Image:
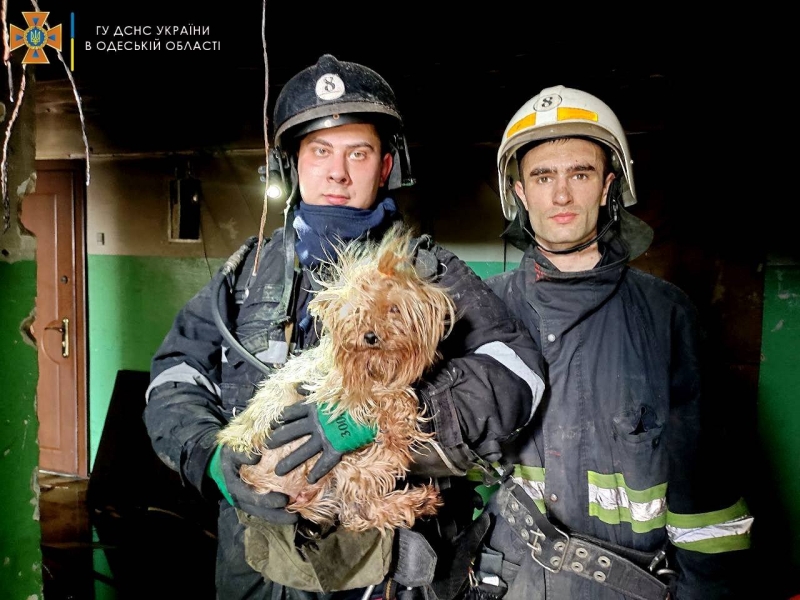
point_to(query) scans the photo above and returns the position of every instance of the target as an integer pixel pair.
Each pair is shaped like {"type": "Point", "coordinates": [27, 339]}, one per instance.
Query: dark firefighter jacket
{"type": "Point", "coordinates": [485, 390]}
{"type": "Point", "coordinates": [622, 446]}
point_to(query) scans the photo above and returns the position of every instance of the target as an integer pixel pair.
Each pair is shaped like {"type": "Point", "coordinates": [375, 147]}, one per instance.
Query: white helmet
{"type": "Point", "coordinates": [558, 112]}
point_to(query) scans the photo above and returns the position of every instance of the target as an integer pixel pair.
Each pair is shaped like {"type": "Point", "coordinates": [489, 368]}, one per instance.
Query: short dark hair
{"type": "Point", "coordinates": [605, 152]}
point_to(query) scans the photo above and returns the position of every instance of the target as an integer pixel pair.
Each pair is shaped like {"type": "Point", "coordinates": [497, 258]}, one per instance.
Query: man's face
{"type": "Point", "coordinates": [563, 188]}
{"type": "Point", "coordinates": [342, 166]}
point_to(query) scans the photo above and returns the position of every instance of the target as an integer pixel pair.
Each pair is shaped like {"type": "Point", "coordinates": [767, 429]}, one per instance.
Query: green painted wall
{"type": "Point", "coordinates": [779, 416]}
{"type": "Point", "coordinates": [132, 303]}
{"type": "Point", "coordinates": [488, 268]}
{"type": "Point", "coordinates": [20, 535]}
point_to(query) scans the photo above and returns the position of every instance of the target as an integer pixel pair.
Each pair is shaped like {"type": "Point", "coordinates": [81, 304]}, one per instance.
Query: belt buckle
{"type": "Point", "coordinates": [665, 572]}
{"type": "Point", "coordinates": [512, 510]}
{"type": "Point", "coordinates": [661, 555]}
{"type": "Point", "coordinates": [555, 561]}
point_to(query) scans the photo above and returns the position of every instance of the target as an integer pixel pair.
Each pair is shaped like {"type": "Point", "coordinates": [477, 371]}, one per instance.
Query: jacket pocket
{"type": "Point", "coordinates": [635, 491]}
{"type": "Point", "coordinates": [637, 451]}
{"type": "Point", "coordinates": [236, 397]}
{"type": "Point", "coordinates": [640, 425]}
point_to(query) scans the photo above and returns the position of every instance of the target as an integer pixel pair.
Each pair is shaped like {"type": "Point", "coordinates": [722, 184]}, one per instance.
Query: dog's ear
{"type": "Point", "coordinates": [321, 303]}
{"type": "Point", "coordinates": [394, 251]}
{"type": "Point", "coordinates": [387, 263]}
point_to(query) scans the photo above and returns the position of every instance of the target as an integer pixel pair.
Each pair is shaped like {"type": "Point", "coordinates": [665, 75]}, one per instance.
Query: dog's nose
{"type": "Point", "coordinates": [370, 338]}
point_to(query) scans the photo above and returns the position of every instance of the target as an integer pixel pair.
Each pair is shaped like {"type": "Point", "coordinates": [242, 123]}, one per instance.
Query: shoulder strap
{"type": "Point", "coordinates": [425, 262]}
{"type": "Point", "coordinates": [238, 282]}
{"type": "Point", "coordinates": [234, 261]}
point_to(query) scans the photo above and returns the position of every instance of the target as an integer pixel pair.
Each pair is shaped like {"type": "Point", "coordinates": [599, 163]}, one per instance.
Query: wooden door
{"type": "Point", "coordinates": [55, 215]}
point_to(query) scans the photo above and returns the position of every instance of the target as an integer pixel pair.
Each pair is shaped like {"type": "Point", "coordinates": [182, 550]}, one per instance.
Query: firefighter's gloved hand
{"type": "Point", "coordinates": [331, 438]}
{"type": "Point", "coordinates": [223, 468]}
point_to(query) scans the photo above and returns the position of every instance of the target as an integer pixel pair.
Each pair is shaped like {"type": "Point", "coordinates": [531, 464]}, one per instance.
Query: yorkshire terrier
{"type": "Point", "coordinates": [380, 327]}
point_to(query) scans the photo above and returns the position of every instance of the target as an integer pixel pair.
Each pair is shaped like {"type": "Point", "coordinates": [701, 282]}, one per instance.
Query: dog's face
{"type": "Point", "coordinates": [384, 321]}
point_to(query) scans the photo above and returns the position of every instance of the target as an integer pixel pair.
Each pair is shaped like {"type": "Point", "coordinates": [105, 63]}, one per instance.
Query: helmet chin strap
{"type": "Point", "coordinates": [613, 217]}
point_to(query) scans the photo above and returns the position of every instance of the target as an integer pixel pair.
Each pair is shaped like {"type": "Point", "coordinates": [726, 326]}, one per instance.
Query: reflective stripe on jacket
{"type": "Point", "coordinates": [617, 450]}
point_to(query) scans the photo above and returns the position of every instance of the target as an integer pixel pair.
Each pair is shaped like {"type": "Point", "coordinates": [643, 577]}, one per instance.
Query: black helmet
{"type": "Point", "coordinates": [332, 93]}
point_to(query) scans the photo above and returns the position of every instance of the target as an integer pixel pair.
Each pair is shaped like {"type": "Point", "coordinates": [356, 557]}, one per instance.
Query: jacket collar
{"type": "Point", "coordinates": [564, 298]}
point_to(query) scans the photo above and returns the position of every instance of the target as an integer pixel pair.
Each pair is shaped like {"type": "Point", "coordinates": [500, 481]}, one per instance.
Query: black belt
{"type": "Point", "coordinates": [604, 563]}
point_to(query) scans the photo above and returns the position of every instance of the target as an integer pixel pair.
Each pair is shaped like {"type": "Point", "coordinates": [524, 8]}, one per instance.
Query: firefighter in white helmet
{"type": "Point", "coordinates": [618, 489]}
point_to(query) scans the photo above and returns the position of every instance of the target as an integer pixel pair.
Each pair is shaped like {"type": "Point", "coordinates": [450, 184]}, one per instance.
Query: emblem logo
{"type": "Point", "coordinates": [35, 37]}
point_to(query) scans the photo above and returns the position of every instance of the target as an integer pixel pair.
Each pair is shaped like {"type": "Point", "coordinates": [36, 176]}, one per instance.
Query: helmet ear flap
{"type": "Point", "coordinates": [400, 175]}
{"type": "Point", "coordinates": [518, 232]}
{"type": "Point", "coordinates": [517, 200]}
{"type": "Point", "coordinates": [282, 180]}
{"type": "Point", "coordinates": [277, 174]}
{"type": "Point", "coordinates": [614, 198]}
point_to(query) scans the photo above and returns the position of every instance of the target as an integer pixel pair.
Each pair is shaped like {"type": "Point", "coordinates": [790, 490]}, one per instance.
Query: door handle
{"type": "Point", "coordinates": [64, 330]}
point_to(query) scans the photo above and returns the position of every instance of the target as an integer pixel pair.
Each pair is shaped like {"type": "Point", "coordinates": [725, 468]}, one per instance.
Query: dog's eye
{"type": "Point", "coordinates": [394, 309]}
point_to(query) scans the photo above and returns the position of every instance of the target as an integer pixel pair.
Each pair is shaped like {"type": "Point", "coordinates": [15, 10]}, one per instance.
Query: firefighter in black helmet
{"type": "Point", "coordinates": [340, 150]}
{"type": "Point", "coordinates": [333, 93]}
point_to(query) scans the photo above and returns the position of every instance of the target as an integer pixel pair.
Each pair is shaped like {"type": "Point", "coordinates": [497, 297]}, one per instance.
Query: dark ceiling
{"type": "Point", "coordinates": [459, 76]}
{"type": "Point", "coordinates": [459, 72]}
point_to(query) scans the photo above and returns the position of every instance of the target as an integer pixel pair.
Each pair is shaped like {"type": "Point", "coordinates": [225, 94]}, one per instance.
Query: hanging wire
{"type": "Point", "coordinates": [18, 102]}
{"type": "Point", "coordinates": [77, 99]}
{"type": "Point", "coordinates": [4, 163]}
{"type": "Point", "coordinates": [266, 133]}
{"type": "Point", "coordinates": [7, 49]}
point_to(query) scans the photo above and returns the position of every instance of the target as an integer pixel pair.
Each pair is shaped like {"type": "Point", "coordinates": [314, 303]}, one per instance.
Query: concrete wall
{"type": "Point", "coordinates": [137, 277]}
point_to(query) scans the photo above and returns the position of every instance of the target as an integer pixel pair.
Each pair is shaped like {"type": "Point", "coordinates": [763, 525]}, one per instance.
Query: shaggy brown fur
{"type": "Point", "coordinates": [381, 326]}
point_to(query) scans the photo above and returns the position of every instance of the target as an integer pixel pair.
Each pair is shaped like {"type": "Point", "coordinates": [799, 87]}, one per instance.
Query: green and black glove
{"type": "Point", "coordinates": [223, 468]}
{"type": "Point", "coordinates": [333, 438]}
